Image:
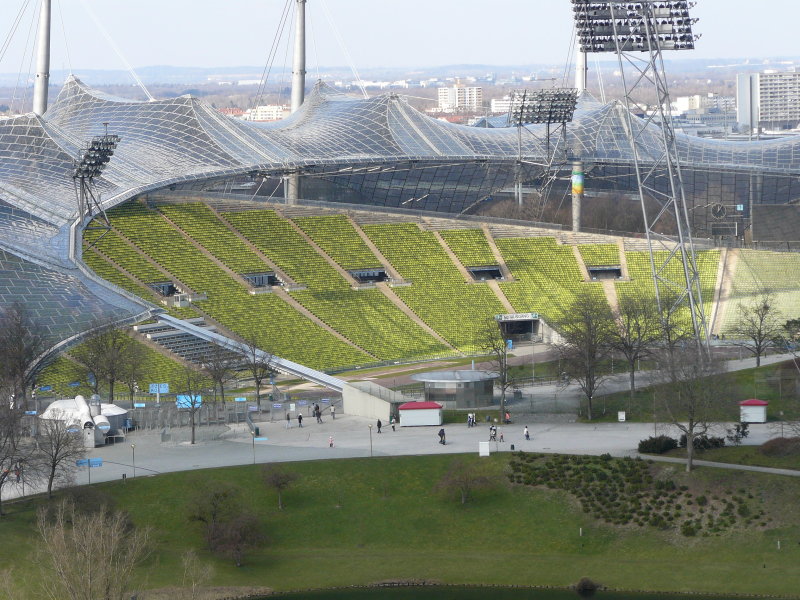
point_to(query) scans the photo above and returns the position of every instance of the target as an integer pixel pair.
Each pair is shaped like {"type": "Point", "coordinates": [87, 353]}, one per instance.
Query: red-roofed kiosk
{"type": "Point", "coordinates": [753, 411]}
{"type": "Point", "coordinates": [415, 414]}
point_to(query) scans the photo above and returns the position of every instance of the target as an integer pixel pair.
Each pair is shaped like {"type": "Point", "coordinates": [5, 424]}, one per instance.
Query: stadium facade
{"type": "Point", "coordinates": [376, 152]}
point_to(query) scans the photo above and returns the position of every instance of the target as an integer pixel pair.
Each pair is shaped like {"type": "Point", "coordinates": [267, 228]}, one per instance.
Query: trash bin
{"type": "Point", "coordinates": [256, 431]}
{"type": "Point", "coordinates": [512, 447]}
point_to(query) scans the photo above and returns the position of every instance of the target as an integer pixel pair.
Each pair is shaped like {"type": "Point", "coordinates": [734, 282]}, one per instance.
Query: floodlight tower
{"type": "Point", "coordinates": [90, 164]}
{"type": "Point", "coordinates": [292, 180]}
{"type": "Point", "coordinates": [549, 107]}
{"type": "Point", "coordinates": [638, 32]}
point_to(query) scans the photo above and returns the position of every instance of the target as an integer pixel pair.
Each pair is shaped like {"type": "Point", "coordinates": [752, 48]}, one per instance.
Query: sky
{"type": "Point", "coordinates": [376, 33]}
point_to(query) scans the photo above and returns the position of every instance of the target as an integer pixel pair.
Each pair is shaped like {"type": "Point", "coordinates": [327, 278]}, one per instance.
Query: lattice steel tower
{"type": "Point", "coordinates": [638, 32]}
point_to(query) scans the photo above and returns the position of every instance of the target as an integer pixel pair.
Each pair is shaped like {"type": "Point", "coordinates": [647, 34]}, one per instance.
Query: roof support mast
{"type": "Point", "coordinates": [292, 180]}
{"type": "Point", "coordinates": [42, 61]}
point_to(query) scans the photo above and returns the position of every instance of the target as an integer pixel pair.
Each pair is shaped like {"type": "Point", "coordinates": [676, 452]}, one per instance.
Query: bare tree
{"type": "Point", "coordinates": [236, 535]}
{"type": "Point", "coordinates": [491, 341]}
{"type": "Point", "coordinates": [22, 342]}
{"type": "Point", "coordinates": [195, 573]}
{"type": "Point", "coordinates": [278, 479]}
{"type": "Point", "coordinates": [59, 447]}
{"type": "Point", "coordinates": [17, 451]}
{"type": "Point", "coordinates": [88, 556]}
{"type": "Point", "coordinates": [586, 336]}
{"type": "Point", "coordinates": [462, 479]}
{"type": "Point", "coordinates": [692, 391]}
{"type": "Point", "coordinates": [192, 383]}
{"type": "Point", "coordinates": [258, 363]}
{"type": "Point", "coordinates": [106, 355]}
{"type": "Point", "coordinates": [213, 504]}
{"type": "Point", "coordinates": [636, 331]}
{"type": "Point", "coordinates": [758, 326]}
{"type": "Point", "coordinates": [133, 368]}
{"type": "Point", "coordinates": [218, 366]}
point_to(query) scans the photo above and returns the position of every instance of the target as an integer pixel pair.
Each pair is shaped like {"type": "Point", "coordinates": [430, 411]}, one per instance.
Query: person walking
{"type": "Point", "coordinates": [379, 425]}
{"type": "Point", "coordinates": [527, 433]}
{"type": "Point", "coordinates": [330, 441]}
{"type": "Point", "coordinates": [333, 412]}
{"type": "Point", "coordinates": [288, 420]}
{"type": "Point", "coordinates": [441, 436]}
{"type": "Point", "coordinates": [299, 419]}
{"type": "Point", "coordinates": [391, 422]}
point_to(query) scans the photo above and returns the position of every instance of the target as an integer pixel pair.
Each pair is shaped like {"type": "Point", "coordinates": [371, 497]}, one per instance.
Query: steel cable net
{"type": "Point", "coordinates": [182, 140]}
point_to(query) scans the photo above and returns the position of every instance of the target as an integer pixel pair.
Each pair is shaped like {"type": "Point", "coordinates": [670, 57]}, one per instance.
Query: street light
{"type": "Point", "coordinates": [133, 452]}
{"type": "Point", "coordinates": [370, 439]}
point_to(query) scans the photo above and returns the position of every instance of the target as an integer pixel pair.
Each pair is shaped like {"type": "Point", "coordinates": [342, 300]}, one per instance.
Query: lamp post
{"type": "Point", "coordinates": [133, 453]}
{"type": "Point", "coordinates": [370, 439]}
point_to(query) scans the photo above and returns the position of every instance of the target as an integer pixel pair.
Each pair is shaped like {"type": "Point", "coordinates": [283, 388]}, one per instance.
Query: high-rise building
{"type": "Point", "coordinates": [459, 97]}
{"type": "Point", "coordinates": [768, 100]}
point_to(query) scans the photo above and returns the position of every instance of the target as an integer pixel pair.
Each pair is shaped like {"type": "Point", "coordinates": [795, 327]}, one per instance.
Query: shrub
{"type": "Point", "coordinates": [704, 442]}
{"type": "Point", "coordinates": [701, 500]}
{"type": "Point", "coordinates": [781, 446]}
{"type": "Point", "coordinates": [586, 587]}
{"type": "Point", "coordinates": [657, 445]}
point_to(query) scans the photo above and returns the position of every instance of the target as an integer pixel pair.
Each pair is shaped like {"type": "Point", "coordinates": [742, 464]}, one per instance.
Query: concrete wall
{"type": "Point", "coordinates": [360, 399]}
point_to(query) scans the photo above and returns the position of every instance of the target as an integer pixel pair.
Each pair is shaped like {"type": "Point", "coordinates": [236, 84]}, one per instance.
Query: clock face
{"type": "Point", "coordinates": [718, 211]}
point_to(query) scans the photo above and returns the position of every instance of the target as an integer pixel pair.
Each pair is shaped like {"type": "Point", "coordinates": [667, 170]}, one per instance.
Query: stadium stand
{"type": "Point", "coordinates": [599, 255]}
{"type": "Point", "coordinates": [336, 236]}
{"type": "Point", "coordinates": [229, 303]}
{"type": "Point", "coordinates": [758, 272]}
{"type": "Point", "coordinates": [470, 246]}
{"type": "Point", "coordinates": [438, 294]}
{"type": "Point", "coordinates": [548, 278]}
{"type": "Point", "coordinates": [365, 317]}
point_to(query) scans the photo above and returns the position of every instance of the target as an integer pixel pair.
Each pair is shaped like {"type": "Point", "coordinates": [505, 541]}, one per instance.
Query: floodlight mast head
{"type": "Point", "coordinates": [619, 26]}
{"type": "Point", "coordinates": [550, 106]}
{"type": "Point", "coordinates": [95, 156]}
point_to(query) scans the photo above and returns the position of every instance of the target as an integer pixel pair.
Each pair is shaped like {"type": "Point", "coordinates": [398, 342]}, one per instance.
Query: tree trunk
{"type": "Point", "coordinates": [258, 394]}
{"type": "Point", "coordinates": [192, 420]}
{"type": "Point", "coordinates": [111, 390]}
{"type": "Point", "coordinates": [463, 497]}
{"type": "Point", "coordinates": [280, 502]}
{"type": "Point", "coordinates": [758, 359]}
{"type": "Point", "coordinates": [689, 450]}
{"type": "Point", "coordinates": [50, 480]}
{"type": "Point", "coordinates": [589, 407]}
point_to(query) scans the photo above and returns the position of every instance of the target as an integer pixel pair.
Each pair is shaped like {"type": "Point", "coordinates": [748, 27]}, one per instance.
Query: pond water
{"type": "Point", "coordinates": [477, 593]}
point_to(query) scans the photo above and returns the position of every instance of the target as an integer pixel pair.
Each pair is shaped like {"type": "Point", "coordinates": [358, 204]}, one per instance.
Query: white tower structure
{"type": "Point", "coordinates": [292, 180]}
{"type": "Point", "coordinates": [42, 80]}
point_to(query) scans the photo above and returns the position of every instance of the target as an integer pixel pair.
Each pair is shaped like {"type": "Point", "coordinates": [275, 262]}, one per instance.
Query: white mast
{"type": "Point", "coordinates": [42, 80]}
{"type": "Point", "coordinates": [299, 62]}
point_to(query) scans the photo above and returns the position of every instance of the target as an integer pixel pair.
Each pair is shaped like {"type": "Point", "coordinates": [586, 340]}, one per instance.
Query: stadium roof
{"type": "Point", "coordinates": [182, 140]}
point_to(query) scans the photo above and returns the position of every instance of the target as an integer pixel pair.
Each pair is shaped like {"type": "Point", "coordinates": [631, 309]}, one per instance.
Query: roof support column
{"type": "Point", "coordinates": [42, 80]}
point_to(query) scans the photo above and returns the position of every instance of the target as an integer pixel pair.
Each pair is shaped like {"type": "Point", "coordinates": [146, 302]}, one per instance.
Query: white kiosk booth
{"type": "Point", "coordinates": [414, 414]}
{"type": "Point", "coordinates": [753, 411]}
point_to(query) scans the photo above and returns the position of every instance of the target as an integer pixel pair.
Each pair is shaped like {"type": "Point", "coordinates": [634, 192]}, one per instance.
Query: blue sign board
{"type": "Point", "coordinates": [95, 462]}
{"type": "Point", "coordinates": [159, 388]}
{"type": "Point", "coordinates": [326, 400]}
{"type": "Point", "coordinates": [91, 379]}
{"type": "Point", "coordinates": [240, 399]}
{"type": "Point", "coordinates": [138, 405]}
{"type": "Point", "coordinates": [83, 462]}
{"type": "Point", "coordinates": [185, 401]}
{"type": "Point", "coordinates": [31, 413]}
{"type": "Point", "coordinates": [74, 383]}
{"type": "Point", "coordinates": [302, 403]}
{"type": "Point", "coordinates": [45, 388]}
{"type": "Point", "coordinates": [740, 207]}
{"type": "Point", "coordinates": [252, 409]}
{"type": "Point", "coordinates": [510, 344]}
{"type": "Point", "coordinates": [259, 439]}
{"type": "Point", "coordinates": [277, 406]}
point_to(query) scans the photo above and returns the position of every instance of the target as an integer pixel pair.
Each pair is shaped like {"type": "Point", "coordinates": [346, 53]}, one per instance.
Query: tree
{"type": "Point", "coordinates": [218, 366]}
{"type": "Point", "coordinates": [278, 479]}
{"type": "Point", "coordinates": [636, 331]}
{"type": "Point", "coordinates": [133, 368]}
{"type": "Point", "coordinates": [462, 479]}
{"type": "Point", "coordinates": [192, 383]}
{"type": "Point", "coordinates": [759, 325]}
{"type": "Point", "coordinates": [586, 335]}
{"type": "Point", "coordinates": [230, 529]}
{"type": "Point", "coordinates": [22, 342]}
{"type": "Point", "coordinates": [89, 556]}
{"type": "Point", "coordinates": [195, 573]}
{"type": "Point", "coordinates": [693, 392]}
{"type": "Point", "coordinates": [258, 362]}
{"type": "Point", "coordinates": [17, 451]}
{"type": "Point", "coordinates": [106, 355]}
{"type": "Point", "coordinates": [492, 342]}
{"type": "Point", "coordinates": [59, 447]}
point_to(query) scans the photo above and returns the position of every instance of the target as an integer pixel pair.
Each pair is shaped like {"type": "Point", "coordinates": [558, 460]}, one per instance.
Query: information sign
{"type": "Point", "coordinates": [259, 439]}
{"type": "Point", "coordinates": [240, 399]}
{"type": "Point", "coordinates": [186, 401]}
{"type": "Point", "coordinates": [159, 388]}
{"type": "Point", "coordinates": [45, 388]}
{"type": "Point", "coordinates": [277, 406]}
{"type": "Point", "coordinates": [31, 413]}
{"type": "Point", "coordinates": [95, 462]}
{"type": "Point", "coordinates": [138, 405]}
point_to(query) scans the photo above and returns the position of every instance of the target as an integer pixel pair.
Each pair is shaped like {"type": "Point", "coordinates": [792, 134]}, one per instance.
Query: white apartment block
{"type": "Point", "coordinates": [685, 104]}
{"type": "Point", "coordinates": [459, 97]}
{"type": "Point", "coordinates": [267, 112]}
{"type": "Point", "coordinates": [500, 105]}
{"type": "Point", "coordinates": [768, 100]}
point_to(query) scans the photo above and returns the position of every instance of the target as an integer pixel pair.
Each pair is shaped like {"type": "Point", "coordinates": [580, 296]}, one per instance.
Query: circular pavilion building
{"type": "Point", "coordinates": [458, 389]}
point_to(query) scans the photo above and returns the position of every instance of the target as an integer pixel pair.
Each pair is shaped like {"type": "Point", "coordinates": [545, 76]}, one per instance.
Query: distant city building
{"type": "Point", "coordinates": [237, 113]}
{"type": "Point", "coordinates": [500, 105]}
{"type": "Point", "coordinates": [267, 112]}
{"type": "Point", "coordinates": [685, 104]}
{"type": "Point", "coordinates": [460, 98]}
{"type": "Point", "coordinates": [768, 100]}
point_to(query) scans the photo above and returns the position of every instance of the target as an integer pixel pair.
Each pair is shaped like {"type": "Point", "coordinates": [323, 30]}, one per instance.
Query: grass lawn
{"type": "Point", "coordinates": [779, 384]}
{"type": "Point", "coordinates": [361, 521]}
{"type": "Point", "coordinates": [741, 455]}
